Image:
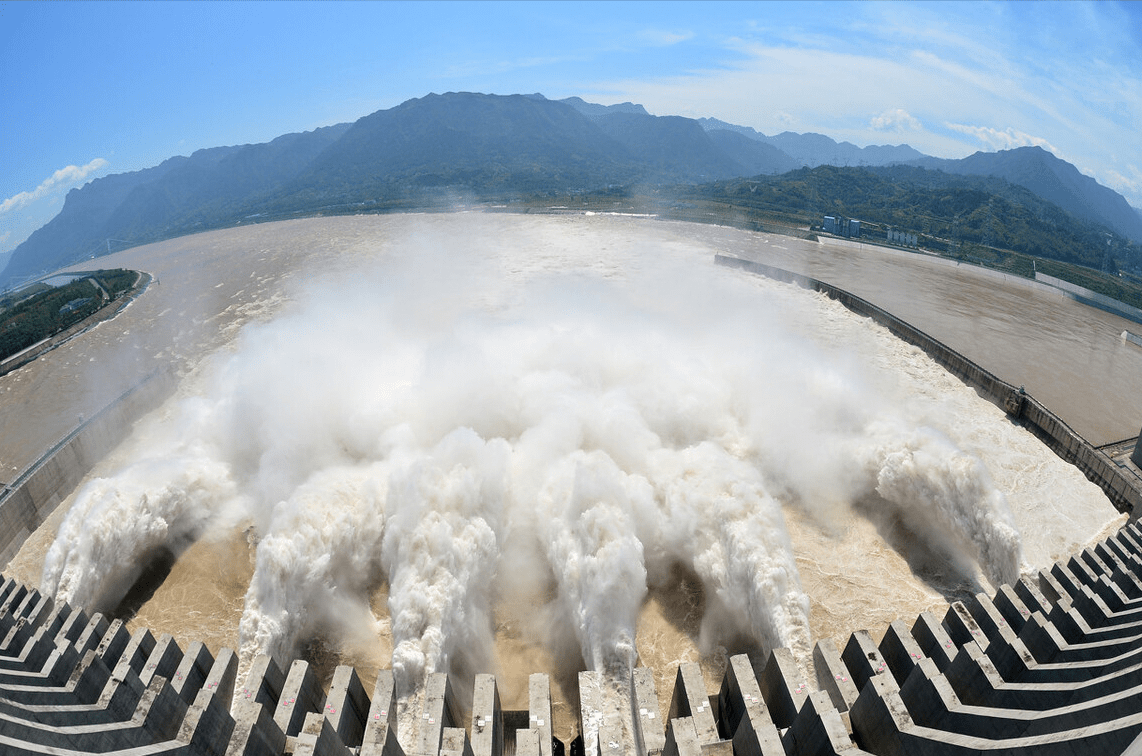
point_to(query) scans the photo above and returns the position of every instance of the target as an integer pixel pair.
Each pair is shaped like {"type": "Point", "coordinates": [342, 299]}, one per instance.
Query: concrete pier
{"type": "Point", "coordinates": [539, 713]}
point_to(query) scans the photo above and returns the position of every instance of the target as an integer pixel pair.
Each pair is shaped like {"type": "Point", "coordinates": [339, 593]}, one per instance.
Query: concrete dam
{"type": "Point", "coordinates": [1045, 662]}
{"type": "Point", "coordinates": [1050, 665]}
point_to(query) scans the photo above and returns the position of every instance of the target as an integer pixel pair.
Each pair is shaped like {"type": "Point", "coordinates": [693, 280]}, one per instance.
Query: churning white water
{"type": "Point", "coordinates": [563, 411]}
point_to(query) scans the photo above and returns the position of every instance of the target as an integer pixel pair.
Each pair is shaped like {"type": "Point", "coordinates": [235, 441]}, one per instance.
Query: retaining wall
{"type": "Point", "coordinates": [37, 491]}
{"type": "Point", "coordinates": [1122, 491]}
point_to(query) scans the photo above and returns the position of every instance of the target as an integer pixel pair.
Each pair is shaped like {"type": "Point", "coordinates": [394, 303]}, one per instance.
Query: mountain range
{"type": "Point", "coordinates": [1053, 179]}
{"type": "Point", "coordinates": [487, 147]}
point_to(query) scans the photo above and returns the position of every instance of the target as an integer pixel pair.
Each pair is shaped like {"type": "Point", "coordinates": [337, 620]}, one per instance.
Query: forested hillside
{"type": "Point", "coordinates": [946, 209]}
{"type": "Point", "coordinates": [49, 310]}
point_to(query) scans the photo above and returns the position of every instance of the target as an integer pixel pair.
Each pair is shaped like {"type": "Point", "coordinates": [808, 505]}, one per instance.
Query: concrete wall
{"type": "Point", "coordinates": [1092, 298]}
{"type": "Point", "coordinates": [38, 490]}
{"type": "Point", "coordinates": [1098, 468]}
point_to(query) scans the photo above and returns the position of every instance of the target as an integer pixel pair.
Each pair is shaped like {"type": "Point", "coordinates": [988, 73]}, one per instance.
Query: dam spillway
{"type": "Point", "coordinates": [1049, 665]}
{"type": "Point", "coordinates": [668, 685]}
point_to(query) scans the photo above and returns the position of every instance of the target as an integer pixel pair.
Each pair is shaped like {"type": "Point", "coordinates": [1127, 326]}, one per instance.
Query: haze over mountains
{"type": "Point", "coordinates": [477, 146]}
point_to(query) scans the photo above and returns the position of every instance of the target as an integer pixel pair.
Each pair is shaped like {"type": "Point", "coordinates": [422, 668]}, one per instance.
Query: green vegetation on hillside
{"type": "Point", "coordinates": [54, 309]}
{"type": "Point", "coordinates": [953, 214]}
{"type": "Point", "coordinates": [11, 298]}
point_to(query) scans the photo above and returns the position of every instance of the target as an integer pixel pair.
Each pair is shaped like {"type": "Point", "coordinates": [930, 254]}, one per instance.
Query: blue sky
{"type": "Point", "coordinates": [93, 88]}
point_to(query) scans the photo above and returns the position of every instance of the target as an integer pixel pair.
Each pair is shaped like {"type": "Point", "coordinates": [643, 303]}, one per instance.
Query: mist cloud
{"type": "Point", "coordinates": [530, 412]}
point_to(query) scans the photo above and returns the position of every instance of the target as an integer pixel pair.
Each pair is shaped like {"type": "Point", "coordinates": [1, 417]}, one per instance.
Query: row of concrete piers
{"type": "Point", "coordinates": [1049, 665]}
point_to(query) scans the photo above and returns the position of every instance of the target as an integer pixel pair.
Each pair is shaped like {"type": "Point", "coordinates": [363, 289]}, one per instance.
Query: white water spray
{"type": "Point", "coordinates": [117, 525]}
{"type": "Point", "coordinates": [948, 495]}
{"type": "Point", "coordinates": [316, 561]}
{"type": "Point", "coordinates": [440, 553]}
{"type": "Point", "coordinates": [719, 520]}
{"type": "Point", "coordinates": [588, 531]}
{"type": "Point", "coordinates": [466, 408]}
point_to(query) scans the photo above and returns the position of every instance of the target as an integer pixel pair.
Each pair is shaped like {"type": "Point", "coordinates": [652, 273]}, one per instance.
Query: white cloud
{"type": "Point", "coordinates": [1006, 139]}
{"type": "Point", "coordinates": [662, 38]}
{"type": "Point", "coordinates": [64, 177]}
{"type": "Point", "coordinates": [999, 75]}
{"type": "Point", "coordinates": [1130, 186]}
{"type": "Point", "coordinates": [895, 119]}
{"type": "Point", "coordinates": [772, 88]}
